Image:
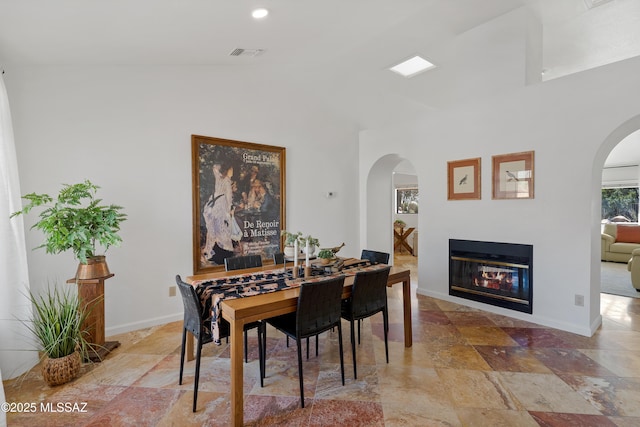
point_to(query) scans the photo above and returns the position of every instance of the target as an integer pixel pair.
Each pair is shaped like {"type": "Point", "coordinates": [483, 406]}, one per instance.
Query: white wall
{"type": "Point", "coordinates": [128, 129]}
{"type": "Point", "coordinates": [565, 121]}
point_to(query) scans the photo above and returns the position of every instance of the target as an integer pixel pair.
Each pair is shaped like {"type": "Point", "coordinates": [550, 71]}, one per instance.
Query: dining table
{"type": "Point", "coordinates": [240, 311]}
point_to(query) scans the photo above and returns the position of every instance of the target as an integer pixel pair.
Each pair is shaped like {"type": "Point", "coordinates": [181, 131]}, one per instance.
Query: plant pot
{"type": "Point", "coordinates": [95, 268]}
{"type": "Point", "coordinates": [289, 251]}
{"type": "Point", "coordinates": [312, 250]}
{"type": "Point", "coordinates": [61, 370]}
{"type": "Point", "coordinates": [325, 261]}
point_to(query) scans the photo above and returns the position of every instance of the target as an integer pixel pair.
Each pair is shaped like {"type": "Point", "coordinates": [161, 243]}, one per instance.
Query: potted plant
{"type": "Point", "coordinates": [313, 244]}
{"type": "Point", "coordinates": [58, 325]}
{"type": "Point", "coordinates": [398, 223]}
{"type": "Point", "coordinates": [289, 242]}
{"type": "Point", "coordinates": [326, 255]}
{"type": "Point", "coordinates": [77, 221]}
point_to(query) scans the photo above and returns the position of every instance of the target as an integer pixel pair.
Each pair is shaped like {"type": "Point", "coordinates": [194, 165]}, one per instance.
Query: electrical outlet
{"type": "Point", "coordinates": [579, 300]}
{"type": "Point", "coordinates": [172, 291]}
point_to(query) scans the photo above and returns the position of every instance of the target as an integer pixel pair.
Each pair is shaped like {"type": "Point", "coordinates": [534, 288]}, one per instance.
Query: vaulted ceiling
{"type": "Point", "coordinates": [337, 51]}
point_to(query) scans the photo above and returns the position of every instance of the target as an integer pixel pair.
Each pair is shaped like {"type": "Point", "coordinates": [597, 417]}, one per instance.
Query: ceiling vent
{"type": "Point", "coordinates": [246, 52]}
{"type": "Point", "coordinates": [595, 3]}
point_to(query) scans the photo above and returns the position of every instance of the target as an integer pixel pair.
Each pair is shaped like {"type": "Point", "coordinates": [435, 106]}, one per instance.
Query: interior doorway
{"type": "Point", "coordinates": [385, 176]}
{"type": "Point", "coordinates": [616, 165]}
{"type": "Point", "coordinates": [406, 208]}
{"type": "Point", "coordinates": [619, 205]}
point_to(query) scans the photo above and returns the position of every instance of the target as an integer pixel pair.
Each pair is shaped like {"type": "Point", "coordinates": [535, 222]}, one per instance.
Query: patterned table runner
{"type": "Point", "coordinates": [212, 292]}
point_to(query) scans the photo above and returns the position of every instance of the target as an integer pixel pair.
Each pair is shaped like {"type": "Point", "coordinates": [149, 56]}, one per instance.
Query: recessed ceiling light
{"type": "Point", "coordinates": [260, 13]}
{"type": "Point", "coordinates": [412, 66]}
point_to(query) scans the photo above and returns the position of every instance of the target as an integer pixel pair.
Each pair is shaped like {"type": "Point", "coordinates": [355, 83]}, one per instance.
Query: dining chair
{"type": "Point", "coordinates": [368, 297]}
{"type": "Point", "coordinates": [375, 257]}
{"type": "Point", "coordinates": [318, 311]}
{"type": "Point", "coordinates": [239, 263]}
{"type": "Point", "coordinates": [244, 261]}
{"type": "Point", "coordinates": [195, 323]}
{"type": "Point", "coordinates": [278, 258]}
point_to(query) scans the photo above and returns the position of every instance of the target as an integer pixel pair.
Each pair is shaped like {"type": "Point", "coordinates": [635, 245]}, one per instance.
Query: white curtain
{"type": "Point", "coordinates": [14, 276]}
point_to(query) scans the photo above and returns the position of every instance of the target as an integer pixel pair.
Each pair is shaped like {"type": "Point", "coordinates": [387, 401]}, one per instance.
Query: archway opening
{"type": "Point", "coordinates": [392, 193]}
{"type": "Point", "coordinates": [616, 165]}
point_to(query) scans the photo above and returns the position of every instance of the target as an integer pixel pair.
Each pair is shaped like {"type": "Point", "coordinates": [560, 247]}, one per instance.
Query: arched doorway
{"type": "Point", "coordinates": [631, 126]}
{"type": "Point", "coordinates": [381, 201]}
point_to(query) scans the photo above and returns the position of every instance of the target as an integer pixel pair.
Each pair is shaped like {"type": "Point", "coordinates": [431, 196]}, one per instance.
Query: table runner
{"type": "Point", "coordinates": [211, 292]}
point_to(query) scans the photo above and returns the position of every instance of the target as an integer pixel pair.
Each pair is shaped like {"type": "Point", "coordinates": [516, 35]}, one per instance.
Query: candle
{"type": "Point", "coordinates": [295, 254]}
{"type": "Point", "coordinates": [307, 250]}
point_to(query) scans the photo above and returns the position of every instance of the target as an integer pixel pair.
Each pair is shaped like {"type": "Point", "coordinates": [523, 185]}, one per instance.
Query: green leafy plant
{"type": "Point", "coordinates": [290, 238]}
{"type": "Point", "coordinates": [75, 220]}
{"type": "Point", "coordinates": [312, 241]}
{"type": "Point", "coordinates": [326, 254]}
{"type": "Point", "coordinates": [57, 322]}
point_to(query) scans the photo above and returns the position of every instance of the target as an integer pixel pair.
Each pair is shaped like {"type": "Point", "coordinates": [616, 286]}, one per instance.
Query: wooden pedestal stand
{"type": "Point", "coordinates": [91, 296]}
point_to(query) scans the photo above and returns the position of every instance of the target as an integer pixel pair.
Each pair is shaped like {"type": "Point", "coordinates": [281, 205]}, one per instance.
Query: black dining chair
{"type": "Point", "coordinates": [195, 323]}
{"type": "Point", "coordinates": [318, 311]}
{"type": "Point", "coordinates": [368, 297]}
{"type": "Point", "coordinates": [241, 262]}
{"type": "Point", "coordinates": [375, 257]}
{"type": "Point", "coordinates": [278, 258]}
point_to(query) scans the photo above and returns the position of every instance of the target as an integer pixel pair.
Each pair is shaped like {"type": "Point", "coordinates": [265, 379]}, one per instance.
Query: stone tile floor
{"type": "Point", "coordinates": [466, 368]}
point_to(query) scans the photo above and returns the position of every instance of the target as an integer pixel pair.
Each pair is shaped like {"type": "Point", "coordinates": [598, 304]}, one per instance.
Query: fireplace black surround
{"type": "Point", "coordinates": [499, 274]}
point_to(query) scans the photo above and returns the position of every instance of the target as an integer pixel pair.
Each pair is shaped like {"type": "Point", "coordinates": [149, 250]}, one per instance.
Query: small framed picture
{"type": "Point", "coordinates": [464, 179]}
{"type": "Point", "coordinates": [513, 175]}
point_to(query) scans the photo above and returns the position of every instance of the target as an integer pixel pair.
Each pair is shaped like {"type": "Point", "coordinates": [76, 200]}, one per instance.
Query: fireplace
{"type": "Point", "coordinates": [499, 274]}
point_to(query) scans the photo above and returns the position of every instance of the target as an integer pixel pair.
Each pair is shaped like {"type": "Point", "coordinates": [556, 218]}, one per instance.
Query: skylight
{"type": "Point", "coordinates": [412, 66]}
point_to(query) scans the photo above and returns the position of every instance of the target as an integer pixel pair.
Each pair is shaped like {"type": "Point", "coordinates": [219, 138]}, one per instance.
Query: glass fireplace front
{"type": "Point", "coordinates": [494, 273]}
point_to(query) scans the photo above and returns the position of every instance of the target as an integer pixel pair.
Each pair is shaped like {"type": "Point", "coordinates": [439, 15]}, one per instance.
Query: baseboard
{"type": "Point", "coordinates": [543, 321]}
{"type": "Point", "coordinates": [134, 326]}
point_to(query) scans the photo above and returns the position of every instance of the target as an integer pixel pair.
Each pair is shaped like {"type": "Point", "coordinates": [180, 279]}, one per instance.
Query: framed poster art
{"type": "Point", "coordinates": [238, 200]}
{"type": "Point", "coordinates": [513, 175]}
{"type": "Point", "coordinates": [407, 200]}
{"type": "Point", "coordinates": [463, 179]}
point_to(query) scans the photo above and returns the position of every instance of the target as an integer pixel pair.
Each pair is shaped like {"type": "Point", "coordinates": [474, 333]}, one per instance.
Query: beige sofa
{"type": "Point", "coordinates": [634, 267]}
{"type": "Point", "coordinates": [619, 240]}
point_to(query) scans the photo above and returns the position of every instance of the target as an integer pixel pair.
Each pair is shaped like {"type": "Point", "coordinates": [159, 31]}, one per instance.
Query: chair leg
{"type": "Point", "coordinates": [184, 340]}
{"type": "Point", "coordinates": [316, 346]}
{"type": "Point", "coordinates": [261, 356]}
{"type": "Point", "coordinates": [300, 372]}
{"type": "Point", "coordinates": [307, 348]}
{"type": "Point", "coordinates": [353, 349]}
{"type": "Point", "coordinates": [246, 358]}
{"type": "Point", "coordinates": [341, 351]}
{"type": "Point", "coordinates": [197, 375]}
{"type": "Point", "coordinates": [264, 351]}
{"type": "Point", "coordinates": [359, 321]}
{"type": "Point", "coordinates": [385, 317]}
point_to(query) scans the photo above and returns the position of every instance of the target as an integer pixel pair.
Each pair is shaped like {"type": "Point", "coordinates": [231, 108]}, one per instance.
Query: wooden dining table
{"type": "Point", "coordinates": [239, 311]}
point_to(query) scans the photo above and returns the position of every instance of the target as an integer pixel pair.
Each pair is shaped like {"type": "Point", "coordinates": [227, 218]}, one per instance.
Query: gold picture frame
{"type": "Point", "coordinates": [513, 175]}
{"type": "Point", "coordinates": [238, 200]}
{"type": "Point", "coordinates": [464, 179]}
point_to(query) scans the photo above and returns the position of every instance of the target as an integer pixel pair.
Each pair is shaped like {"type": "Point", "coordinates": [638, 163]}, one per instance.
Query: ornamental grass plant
{"type": "Point", "coordinates": [58, 322]}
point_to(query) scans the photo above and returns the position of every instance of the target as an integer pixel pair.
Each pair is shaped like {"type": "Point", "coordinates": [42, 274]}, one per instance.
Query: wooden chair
{"type": "Point", "coordinates": [195, 323]}
{"type": "Point", "coordinates": [318, 311]}
{"type": "Point", "coordinates": [368, 297]}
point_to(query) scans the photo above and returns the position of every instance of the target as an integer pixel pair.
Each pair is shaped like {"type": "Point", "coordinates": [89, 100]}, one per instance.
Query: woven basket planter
{"type": "Point", "coordinates": [61, 370]}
